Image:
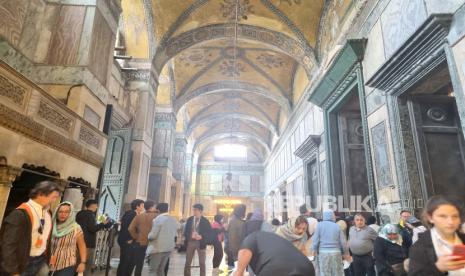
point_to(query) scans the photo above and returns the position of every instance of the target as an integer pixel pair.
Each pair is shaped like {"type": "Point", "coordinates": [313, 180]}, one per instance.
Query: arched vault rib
{"type": "Point", "coordinates": [302, 53]}
{"type": "Point", "coordinates": [234, 134]}
{"type": "Point", "coordinates": [231, 86]}
{"type": "Point", "coordinates": [199, 116]}
{"type": "Point", "coordinates": [219, 117]}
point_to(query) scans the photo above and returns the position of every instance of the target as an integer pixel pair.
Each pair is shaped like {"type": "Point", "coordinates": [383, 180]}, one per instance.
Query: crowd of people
{"type": "Point", "coordinates": [35, 241]}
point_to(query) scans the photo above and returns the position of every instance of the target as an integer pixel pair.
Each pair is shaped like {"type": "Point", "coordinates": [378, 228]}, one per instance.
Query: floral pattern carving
{"type": "Point", "coordinates": [270, 61]}
{"type": "Point", "coordinates": [240, 9]}
{"type": "Point", "coordinates": [86, 135]}
{"type": "Point", "coordinates": [231, 68]}
{"type": "Point", "coordinates": [12, 91]}
{"type": "Point", "coordinates": [49, 114]}
{"type": "Point", "coordinates": [196, 58]}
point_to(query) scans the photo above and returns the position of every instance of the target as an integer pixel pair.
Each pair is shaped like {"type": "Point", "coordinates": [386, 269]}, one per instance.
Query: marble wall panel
{"type": "Point", "coordinates": [86, 36]}
{"type": "Point", "coordinates": [457, 30]}
{"type": "Point", "coordinates": [374, 53]}
{"type": "Point", "coordinates": [32, 27]}
{"type": "Point", "coordinates": [381, 156]}
{"type": "Point", "coordinates": [399, 21]}
{"type": "Point", "coordinates": [374, 101]}
{"type": "Point", "coordinates": [100, 49]}
{"type": "Point", "coordinates": [12, 17]}
{"type": "Point", "coordinates": [65, 40]}
{"type": "Point", "coordinates": [142, 188]}
{"type": "Point", "coordinates": [49, 19]}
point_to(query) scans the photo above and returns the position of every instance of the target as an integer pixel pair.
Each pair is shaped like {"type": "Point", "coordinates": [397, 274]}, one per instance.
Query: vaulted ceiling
{"type": "Point", "coordinates": [234, 70]}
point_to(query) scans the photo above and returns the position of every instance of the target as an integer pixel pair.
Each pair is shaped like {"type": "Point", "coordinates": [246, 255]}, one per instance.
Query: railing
{"type": "Point", "coordinates": [27, 109]}
{"type": "Point", "coordinates": [103, 247]}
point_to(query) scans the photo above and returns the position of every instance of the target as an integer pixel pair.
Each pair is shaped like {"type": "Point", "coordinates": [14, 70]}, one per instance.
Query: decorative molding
{"type": "Point", "coordinates": [420, 54]}
{"type": "Point", "coordinates": [88, 136]}
{"type": "Point", "coordinates": [51, 115]}
{"type": "Point", "coordinates": [26, 126]}
{"type": "Point", "coordinates": [309, 147]}
{"type": "Point", "coordinates": [136, 75]}
{"type": "Point", "coordinates": [343, 65]}
{"type": "Point", "coordinates": [14, 92]}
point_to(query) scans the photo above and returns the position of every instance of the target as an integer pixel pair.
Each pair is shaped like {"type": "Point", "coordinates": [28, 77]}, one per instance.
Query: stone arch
{"type": "Point", "coordinates": [302, 53]}
{"type": "Point", "coordinates": [219, 117]}
{"type": "Point", "coordinates": [230, 86]}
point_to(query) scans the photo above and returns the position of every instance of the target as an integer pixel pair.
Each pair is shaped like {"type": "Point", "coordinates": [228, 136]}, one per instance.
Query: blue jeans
{"type": "Point", "coordinates": [34, 265]}
{"type": "Point", "coordinates": [68, 271]}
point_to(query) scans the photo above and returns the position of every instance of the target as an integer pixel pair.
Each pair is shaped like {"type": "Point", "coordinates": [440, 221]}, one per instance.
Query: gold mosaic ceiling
{"type": "Point", "coordinates": [237, 68]}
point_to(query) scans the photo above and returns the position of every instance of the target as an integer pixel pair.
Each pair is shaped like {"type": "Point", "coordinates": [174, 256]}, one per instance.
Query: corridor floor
{"type": "Point", "coordinates": [177, 265]}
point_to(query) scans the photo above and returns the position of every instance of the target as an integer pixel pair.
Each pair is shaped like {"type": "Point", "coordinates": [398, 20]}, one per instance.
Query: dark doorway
{"type": "Point", "coordinates": [437, 134]}
{"type": "Point", "coordinates": [20, 189]}
{"type": "Point", "coordinates": [312, 182]}
{"type": "Point", "coordinates": [350, 150]}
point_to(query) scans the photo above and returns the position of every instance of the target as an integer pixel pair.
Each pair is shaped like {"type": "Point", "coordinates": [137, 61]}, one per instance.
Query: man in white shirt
{"type": "Point", "coordinates": [22, 255]}
{"type": "Point", "coordinates": [161, 240]}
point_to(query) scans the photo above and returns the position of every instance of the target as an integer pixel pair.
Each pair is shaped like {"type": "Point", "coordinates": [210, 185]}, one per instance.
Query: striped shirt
{"type": "Point", "coordinates": [64, 249]}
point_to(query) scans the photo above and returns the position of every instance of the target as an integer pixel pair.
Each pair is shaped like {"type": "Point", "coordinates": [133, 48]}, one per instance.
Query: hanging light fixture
{"type": "Point", "coordinates": [229, 175]}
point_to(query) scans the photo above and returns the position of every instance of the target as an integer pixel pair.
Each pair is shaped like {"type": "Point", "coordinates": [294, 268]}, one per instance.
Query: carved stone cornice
{"type": "Point", "coordinates": [26, 126]}
{"type": "Point", "coordinates": [309, 147]}
{"type": "Point", "coordinates": [339, 74]}
{"type": "Point", "coordinates": [415, 58]}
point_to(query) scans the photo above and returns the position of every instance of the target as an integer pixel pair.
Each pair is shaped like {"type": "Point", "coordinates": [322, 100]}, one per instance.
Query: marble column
{"type": "Point", "coordinates": [179, 161]}
{"type": "Point", "coordinates": [7, 176]}
{"type": "Point", "coordinates": [161, 165]}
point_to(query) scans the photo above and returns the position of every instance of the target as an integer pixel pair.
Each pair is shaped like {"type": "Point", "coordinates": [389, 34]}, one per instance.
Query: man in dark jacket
{"type": "Point", "coordinates": [86, 219]}
{"type": "Point", "coordinates": [26, 230]}
{"type": "Point", "coordinates": [197, 234]}
{"type": "Point", "coordinates": [125, 239]}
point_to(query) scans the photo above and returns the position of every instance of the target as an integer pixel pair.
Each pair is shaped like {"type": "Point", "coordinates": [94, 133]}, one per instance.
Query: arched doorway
{"type": "Point", "coordinates": [23, 184]}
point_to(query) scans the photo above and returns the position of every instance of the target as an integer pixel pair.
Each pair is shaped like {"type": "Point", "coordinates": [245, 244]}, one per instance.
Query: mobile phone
{"type": "Point", "coordinates": [459, 250]}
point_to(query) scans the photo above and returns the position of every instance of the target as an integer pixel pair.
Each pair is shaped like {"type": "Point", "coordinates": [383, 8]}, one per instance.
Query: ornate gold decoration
{"type": "Point", "coordinates": [232, 9]}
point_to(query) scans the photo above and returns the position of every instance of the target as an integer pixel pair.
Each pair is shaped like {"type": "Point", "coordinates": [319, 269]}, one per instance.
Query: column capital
{"type": "Point", "coordinates": [8, 174]}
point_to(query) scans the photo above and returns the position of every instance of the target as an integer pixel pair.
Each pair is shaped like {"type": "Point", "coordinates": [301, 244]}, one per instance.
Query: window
{"type": "Point", "coordinates": [231, 151]}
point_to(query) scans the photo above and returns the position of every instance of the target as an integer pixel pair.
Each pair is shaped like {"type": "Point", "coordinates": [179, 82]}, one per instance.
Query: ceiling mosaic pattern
{"type": "Point", "coordinates": [239, 67]}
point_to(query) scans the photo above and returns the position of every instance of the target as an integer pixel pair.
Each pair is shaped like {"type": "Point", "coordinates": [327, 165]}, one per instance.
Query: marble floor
{"type": "Point", "coordinates": [176, 265]}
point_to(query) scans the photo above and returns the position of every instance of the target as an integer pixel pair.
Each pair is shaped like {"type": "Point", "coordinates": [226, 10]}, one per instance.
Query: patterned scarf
{"type": "Point", "coordinates": [66, 227]}
{"type": "Point", "coordinates": [287, 231]}
{"type": "Point", "coordinates": [390, 229]}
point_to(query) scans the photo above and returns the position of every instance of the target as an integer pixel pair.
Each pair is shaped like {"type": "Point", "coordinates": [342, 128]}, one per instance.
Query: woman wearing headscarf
{"type": "Point", "coordinates": [330, 246]}
{"type": "Point", "coordinates": [257, 223]}
{"type": "Point", "coordinates": [67, 239]}
{"type": "Point", "coordinates": [296, 231]}
{"type": "Point", "coordinates": [390, 252]}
